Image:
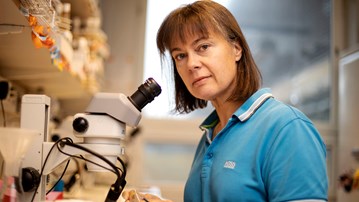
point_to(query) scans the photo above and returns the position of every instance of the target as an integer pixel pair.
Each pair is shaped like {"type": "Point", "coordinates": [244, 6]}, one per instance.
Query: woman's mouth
{"type": "Point", "coordinates": [200, 80]}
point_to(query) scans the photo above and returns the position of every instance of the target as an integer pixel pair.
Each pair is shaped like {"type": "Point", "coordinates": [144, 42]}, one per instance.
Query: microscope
{"type": "Point", "coordinates": [102, 127]}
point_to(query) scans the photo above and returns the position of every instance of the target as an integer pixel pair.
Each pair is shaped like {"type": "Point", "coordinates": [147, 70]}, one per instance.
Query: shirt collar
{"type": "Point", "coordinates": [252, 104]}
{"type": "Point", "coordinates": [245, 111]}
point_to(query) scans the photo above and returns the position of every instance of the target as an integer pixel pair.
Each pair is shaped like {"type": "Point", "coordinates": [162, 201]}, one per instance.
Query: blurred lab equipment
{"type": "Point", "coordinates": [13, 143]}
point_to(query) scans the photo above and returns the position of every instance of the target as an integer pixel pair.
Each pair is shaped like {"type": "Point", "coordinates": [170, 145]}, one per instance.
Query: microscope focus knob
{"type": "Point", "coordinates": [80, 125]}
{"type": "Point", "coordinates": [30, 179]}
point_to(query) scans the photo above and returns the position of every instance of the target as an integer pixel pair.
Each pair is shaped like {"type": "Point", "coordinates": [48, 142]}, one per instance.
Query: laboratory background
{"type": "Point", "coordinates": [56, 56]}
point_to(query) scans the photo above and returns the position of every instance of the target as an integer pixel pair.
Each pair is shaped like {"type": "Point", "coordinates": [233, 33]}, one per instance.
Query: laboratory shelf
{"type": "Point", "coordinates": [35, 69]}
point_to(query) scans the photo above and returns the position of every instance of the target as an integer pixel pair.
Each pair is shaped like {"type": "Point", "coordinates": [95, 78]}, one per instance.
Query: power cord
{"type": "Point", "coordinates": [115, 189]}
{"type": "Point", "coordinates": [43, 166]}
{"type": "Point", "coordinates": [62, 175]}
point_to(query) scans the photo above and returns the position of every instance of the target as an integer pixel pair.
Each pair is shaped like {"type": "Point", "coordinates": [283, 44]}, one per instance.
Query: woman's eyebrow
{"type": "Point", "coordinates": [192, 44]}
{"type": "Point", "coordinates": [174, 49]}
{"type": "Point", "coordinates": [198, 40]}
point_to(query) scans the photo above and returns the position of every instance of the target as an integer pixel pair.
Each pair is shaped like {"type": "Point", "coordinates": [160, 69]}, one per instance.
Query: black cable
{"type": "Point", "coordinates": [43, 166]}
{"type": "Point", "coordinates": [73, 156]}
{"type": "Point", "coordinates": [115, 169]}
{"type": "Point", "coordinates": [69, 184]}
{"type": "Point", "coordinates": [124, 168]}
{"type": "Point", "coordinates": [83, 158]}
{"type": "Point", "coordinates": [123, 172]}
{"type": "Point", "coordinates": [116, 188]}
{"type": "Point", "coordinates": [3, 113]}
{"type": "Point", "coordinates": [61, 176]}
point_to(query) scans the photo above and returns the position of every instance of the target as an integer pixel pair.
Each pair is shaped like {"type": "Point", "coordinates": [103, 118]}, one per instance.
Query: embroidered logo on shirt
{"type": "Point", "coordinates": [230, 164]}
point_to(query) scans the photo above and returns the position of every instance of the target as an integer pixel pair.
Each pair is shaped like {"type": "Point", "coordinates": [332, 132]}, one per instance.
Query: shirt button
{"type": "Point", "coordinates": [210, 155]}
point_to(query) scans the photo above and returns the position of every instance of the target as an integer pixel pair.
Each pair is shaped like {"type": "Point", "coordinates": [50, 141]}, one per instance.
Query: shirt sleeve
{"type": "Point", "coordinates": [295, 166]}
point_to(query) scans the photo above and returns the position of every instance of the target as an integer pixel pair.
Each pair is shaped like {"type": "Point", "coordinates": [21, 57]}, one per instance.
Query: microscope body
{"type": "Point", "coordinates": [102, 127]}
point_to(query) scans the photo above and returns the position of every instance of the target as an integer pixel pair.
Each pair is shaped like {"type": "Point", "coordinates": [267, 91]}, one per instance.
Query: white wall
{"type": "Point", "coordinates": [124, 23]}
{"type": "Point", "coordinates": [348, 137]}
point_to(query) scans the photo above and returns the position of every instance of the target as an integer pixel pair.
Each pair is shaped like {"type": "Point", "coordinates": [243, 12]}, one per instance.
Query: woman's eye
{"type": "Point", "coordinates": [179, 56]}
{"type": "Point", "coordinates": [203, 47]}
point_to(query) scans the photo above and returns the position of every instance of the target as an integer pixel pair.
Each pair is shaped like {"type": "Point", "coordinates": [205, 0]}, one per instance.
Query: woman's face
{"type": "Point", "coordinates": [207, 66]}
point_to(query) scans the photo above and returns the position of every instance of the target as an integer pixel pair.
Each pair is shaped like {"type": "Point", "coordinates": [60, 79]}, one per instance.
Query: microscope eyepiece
{"type": "Point", "coordinates": [145, 93]}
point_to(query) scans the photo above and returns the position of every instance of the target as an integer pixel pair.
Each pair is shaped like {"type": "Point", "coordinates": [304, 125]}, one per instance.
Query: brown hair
{"type": "Point", "coordinates": [202, 17]}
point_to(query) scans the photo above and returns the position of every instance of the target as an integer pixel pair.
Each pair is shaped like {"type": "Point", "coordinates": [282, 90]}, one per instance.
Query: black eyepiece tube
{"type": "Point", "coordinates": [145, 93]}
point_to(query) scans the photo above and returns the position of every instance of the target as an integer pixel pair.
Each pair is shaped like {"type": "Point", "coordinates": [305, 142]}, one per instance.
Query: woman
{"type": "Point", "coordinates": [254, 148]}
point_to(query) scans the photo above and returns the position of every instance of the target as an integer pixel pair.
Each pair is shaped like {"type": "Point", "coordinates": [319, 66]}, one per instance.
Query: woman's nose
{"type": "Point", "coordinates": [193, 61]}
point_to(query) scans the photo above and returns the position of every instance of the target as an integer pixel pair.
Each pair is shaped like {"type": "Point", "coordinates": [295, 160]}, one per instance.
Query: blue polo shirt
{"type": "Point", "coordinates": [268, 151]}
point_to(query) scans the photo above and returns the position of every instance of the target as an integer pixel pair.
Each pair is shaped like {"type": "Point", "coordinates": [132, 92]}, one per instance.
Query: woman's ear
{"type": "Point", "coordinates": [237, 51]}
